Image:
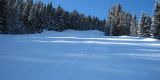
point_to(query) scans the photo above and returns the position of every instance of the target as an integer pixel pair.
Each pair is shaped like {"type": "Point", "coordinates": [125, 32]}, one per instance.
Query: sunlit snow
{"type": "Point", "coordinates": [78, 55]}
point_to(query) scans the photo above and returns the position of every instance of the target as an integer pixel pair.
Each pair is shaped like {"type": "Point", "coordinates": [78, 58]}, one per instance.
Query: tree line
{"type": "Point", "coordinates": [120, 23]}
{"type": "Point", "coordinates": [26, 16]}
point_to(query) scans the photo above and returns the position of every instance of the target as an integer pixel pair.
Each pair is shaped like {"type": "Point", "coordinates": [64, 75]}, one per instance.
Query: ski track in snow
{"type": "Point", "coordinates": [78, 55]}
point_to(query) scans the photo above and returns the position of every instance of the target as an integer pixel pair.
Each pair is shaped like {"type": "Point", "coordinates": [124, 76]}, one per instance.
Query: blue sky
{"type": "Point", "coordinates": [99, 8]}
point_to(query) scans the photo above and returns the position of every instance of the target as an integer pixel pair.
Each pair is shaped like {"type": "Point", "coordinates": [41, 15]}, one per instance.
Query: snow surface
{"type": "Point", "coordinates": [78, 55]}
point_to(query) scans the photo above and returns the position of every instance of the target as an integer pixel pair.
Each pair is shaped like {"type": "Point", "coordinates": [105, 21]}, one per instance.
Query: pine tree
{"type": "Point", "coordinates": [59, 19]}
{"type": "Point", "coordinates": [126, 23]}
{"type": "Point", "coordinates": [3, 16]}
{"type": "Point", "coordinates": [40, 25]}
{"type": "Point", "coordinates": [19, 26]}
{"type": "Point", "coordinates": [32, 20]}
{"type": "Point", "coordinates": [82, 21]}
{"type": "Point", "coordinates": [156, 21]}
{"type": "Point", "coordinates": [74, 20]}
{"type": "Point", "coordinates": [134, 26]}
{"type": "Point", "coordinates": [108, 24]}
{"type": "Point", "coordinates": [25, 14]}
{"type": "Point", "coordinates": [44, 18]}
{"type": "Point", "coordinates": [115, 25]}
{"type": "Point", "coordinates": [50, 17]}
{"type": "Point", "coordinates": [154, 28]}
{"type": "Point", "coordinates": [145, 26]}
{"type": "Point", "coordinates": [67, 20]}
{"type": "Point", "coordinates": [118, 22]}
{"type": "Point", "coordinates": [89, 24]}
{"type": "Point", "coordinates": [14, 24]}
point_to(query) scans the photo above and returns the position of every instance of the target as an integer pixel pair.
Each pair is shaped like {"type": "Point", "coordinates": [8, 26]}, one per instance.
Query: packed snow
{"type": "Point", "coordinates": [78, 55]}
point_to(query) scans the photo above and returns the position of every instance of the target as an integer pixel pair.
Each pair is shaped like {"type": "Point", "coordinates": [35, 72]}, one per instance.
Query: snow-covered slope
{"type": "Point", "coordinates": [78, 55]}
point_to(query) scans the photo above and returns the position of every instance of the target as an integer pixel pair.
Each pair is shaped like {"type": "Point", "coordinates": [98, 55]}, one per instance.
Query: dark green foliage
{"type": "Point", "coordinates": [18, 16]}
{"type": "Point", "coordinates": [134, 26]}
{"type": "Point", "coordinates": [13, 23]}
{"type": "Point", "coordinates": [145, 26]}
{"type": "Point", "coordinates": [3, 16]}
{"type": "Point", "coordinates": [156, 21]}
{"type": "Point", "coordinates": [118, 22]}
{"type": "Point", "coordinates": [50, 12]}
{"type": "Point", "coordinates": [59, 19]}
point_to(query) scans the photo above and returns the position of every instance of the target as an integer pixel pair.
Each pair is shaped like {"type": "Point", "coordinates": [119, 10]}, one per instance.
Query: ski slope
{"type": "Point", "coordinates": [78, 55]}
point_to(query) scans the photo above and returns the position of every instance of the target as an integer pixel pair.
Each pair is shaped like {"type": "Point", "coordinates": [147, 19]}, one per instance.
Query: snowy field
{"type": "Point", "coordinates": [78, 55]}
